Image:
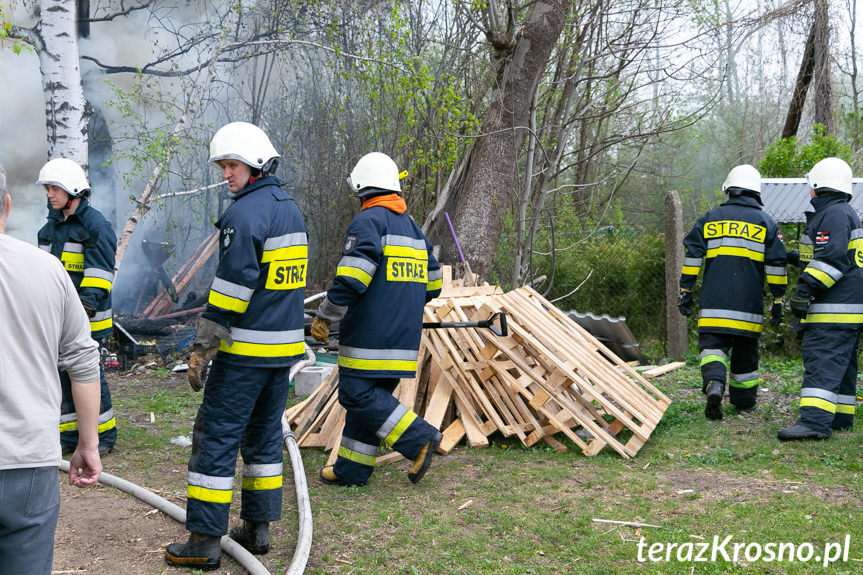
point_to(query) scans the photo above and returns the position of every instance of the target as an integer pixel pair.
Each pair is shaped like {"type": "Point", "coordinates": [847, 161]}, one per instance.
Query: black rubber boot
{"type": "Point", "coordinates": [199, 552]}
{"type": "Point", "coordinates": [715, 390]}
{"type": "Point", "coordinates": [254, 536]}
{"type": "Point", "coordinates": [842, 422]}
{"type": "Point", "coordinates": [423, 461]}
{"type": "Point", "coordinates": [800, 431]}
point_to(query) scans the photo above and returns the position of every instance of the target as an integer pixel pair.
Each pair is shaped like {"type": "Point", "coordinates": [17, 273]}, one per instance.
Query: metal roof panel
{"type": "Point", "coordinates": [785, 199]}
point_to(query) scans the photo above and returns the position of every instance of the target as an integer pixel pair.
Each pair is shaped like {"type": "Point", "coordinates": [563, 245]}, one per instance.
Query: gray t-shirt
{"type": "Point", "coordinates": [43, 327]}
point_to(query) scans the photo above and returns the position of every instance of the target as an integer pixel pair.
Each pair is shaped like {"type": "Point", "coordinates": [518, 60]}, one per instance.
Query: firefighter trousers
{"type": "Point", "coordinates": [829, 391]}
{"type": "Point", "coordinates": [241, 410]}
{"type": "Point", "coordinates": [721, 353]}
{"type": "Point", "coordinates": [69, 420]}
{"type": "Point", "coordinates": [373, 417]}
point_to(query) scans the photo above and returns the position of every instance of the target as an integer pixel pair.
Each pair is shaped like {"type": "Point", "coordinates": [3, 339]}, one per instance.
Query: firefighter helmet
{"type": "Point", "coordinates": [744, 177]}
{"type": "Point", "coordinates": [247, 143]}
{"type": "Point", "coordinates": [830, 174]}
{"type": "Point", "coordinates": [374, 172]}
{"type": "Point", "coordinates": [66, 174]}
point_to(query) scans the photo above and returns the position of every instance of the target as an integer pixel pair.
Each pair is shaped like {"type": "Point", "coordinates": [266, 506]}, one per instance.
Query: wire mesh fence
{"type": "Point", "coordinates": [617, 272]}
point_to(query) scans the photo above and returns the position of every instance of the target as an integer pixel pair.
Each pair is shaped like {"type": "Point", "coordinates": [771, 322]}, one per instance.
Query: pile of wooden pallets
{"type": "Point", "coordinates": [547, 377]}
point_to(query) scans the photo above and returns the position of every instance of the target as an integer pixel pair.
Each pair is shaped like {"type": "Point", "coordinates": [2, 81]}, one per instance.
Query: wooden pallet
{"type": "Point", "coordinates": [549, 376]}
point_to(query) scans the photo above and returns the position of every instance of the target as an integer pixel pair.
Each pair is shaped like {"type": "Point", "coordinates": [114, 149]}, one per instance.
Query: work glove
{"type": "Point", "coordinates": [320, 330]}
{"type": "Point", "coordinates": [793, 257]}
{"type": "Point", "coordinates": [684, 302]}
{"type": "Point", "coordinates": [204, 349]}
{"type": "Point", "coordinates": [800, 303]}
{"type": "Point", "coordinates": [198, 364]}
{"type": "Point", "coordinates": [776, 312]}
{"type": "Point", "coordinates": [90, 309]}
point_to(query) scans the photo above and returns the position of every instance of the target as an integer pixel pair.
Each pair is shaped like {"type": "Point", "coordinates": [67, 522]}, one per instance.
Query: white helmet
{"type": "Point", "coordinates": [830, 173]}
{"type": "Point", "coordinates": [244, 142]}
{"type": "Point", "coordinates": [66, 174]}
{"type": "Point", "coordinates": [744, 177]}
{"type": "Point", "coordinates": [374, 170]}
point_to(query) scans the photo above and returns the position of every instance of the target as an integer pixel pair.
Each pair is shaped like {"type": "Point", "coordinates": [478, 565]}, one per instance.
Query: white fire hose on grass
{"type": "Point", "coordinates": [229, 546]}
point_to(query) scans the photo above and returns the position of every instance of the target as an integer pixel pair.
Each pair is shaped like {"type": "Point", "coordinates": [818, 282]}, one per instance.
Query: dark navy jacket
{"type": "Point", "coordinates": [260, 278]}
{"type": "Point", "coordinates": [86, 244]}
{"type": "Point", "coordinates": [386, 275]}
{"type": "Point", "coordinates": [832, 245]}
{"type": "Point", "coordinates": [740, 246]}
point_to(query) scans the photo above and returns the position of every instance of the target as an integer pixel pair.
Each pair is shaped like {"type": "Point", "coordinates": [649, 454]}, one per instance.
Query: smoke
{"type": "Point", "coordinates": [23, 145]}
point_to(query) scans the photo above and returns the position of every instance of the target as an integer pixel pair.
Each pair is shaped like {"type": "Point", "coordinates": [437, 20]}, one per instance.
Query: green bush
{"type": "Point", "coordinates": [622, 273]}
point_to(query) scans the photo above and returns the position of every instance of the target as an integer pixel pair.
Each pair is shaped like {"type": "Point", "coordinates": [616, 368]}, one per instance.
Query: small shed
{"type": "Point", "coordinates": [786, 199]}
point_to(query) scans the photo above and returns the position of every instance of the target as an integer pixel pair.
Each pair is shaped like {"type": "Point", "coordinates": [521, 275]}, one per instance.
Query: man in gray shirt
{"type": "Point", "coordinates": [44, 327]}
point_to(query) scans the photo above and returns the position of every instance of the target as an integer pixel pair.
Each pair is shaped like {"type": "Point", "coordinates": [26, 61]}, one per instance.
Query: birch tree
{"type": "Point", "coordinates": [67, 112]}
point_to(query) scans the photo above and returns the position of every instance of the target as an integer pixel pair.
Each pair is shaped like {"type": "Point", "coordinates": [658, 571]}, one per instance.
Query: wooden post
{"type": "Point", "coordinates": [675, 323]}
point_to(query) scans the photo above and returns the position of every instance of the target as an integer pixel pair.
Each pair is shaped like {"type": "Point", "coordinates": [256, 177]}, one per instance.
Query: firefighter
{"type": "Point", "coordinates": [829, 303]}
{"type": "Point", "coordinates": [253, 329]}
{"type": "Point", "coordinates": [740, 247]}
{"type": "Point", "coordinates": [85, 242]}
{"type": "Point", "coordinates": [385, 276]}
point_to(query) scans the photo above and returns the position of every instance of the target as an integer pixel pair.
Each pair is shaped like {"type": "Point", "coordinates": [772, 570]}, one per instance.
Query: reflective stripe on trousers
{"type": "Point", "coordinates": [373, 417]}
{"type": "Point", "coordinates": [241, 410]}
{"type": "Point", "coordinates": [829, 377]}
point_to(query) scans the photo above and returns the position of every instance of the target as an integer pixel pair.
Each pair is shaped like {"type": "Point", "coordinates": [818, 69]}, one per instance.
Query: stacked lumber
{"type": "Point", "coordinates": [548, 376]}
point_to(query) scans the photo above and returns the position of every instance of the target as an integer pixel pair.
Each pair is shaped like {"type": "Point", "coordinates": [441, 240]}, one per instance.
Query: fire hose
{"type": "Point", "coordinates": [229, 546]}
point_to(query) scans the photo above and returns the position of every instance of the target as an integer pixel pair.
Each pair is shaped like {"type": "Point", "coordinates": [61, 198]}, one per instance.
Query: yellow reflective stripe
{"type": "Point", "coordinates": [824, 278]}
{"type": "Point", "coordinates": [729, 323]}
{"type": "Point", "coordinates": [819, 403]}
{"type": "Point", "coordinates": [405, 252]}
{"type": "Point", "coordinates": [71, 426]}
{"type": "Point", "coordinates": [228, 303]}
{"type": "Point", "coordinates": [209, 495]}
{"type": "Point", "coordinates": [356, 456]}
{"type": "Point", "coordinates": [100, 325]}
{"type": "Point", "coordinates": [355, 273]}
{"type": "Point", "coordinates": [110, 424]}
{"type": "Point", "coordinates": [843, 408]}
{"type": "Point", "coordinates": [854, 318]}
{"type": "Point", "coordinates": [434, 285]}
{"type": "Point", "coordinates": [286, 253]}
{"type": "Point", "coordinates": [689, 271]}
{"type": "Point", "coordinates": [263, 349]}
{"type": "Point", "coordinates": [378, 364]}
{"type": "Point", "coordinates": [96, 283]}
{"type": "Point", "coordinates": [262, 483]}
{"type": "Point", "coordinates": [748, 384]}
{"type": "Point", "coordinates": [400, 428]}
{"type": "Point", "coordinates": [778, 280]}
{"type": "Point", "coordinates": [738, 252]}
{"type": "Point", "coordinates": [72, 261]}
{"type": "Point", "coordinates": [711, 358]}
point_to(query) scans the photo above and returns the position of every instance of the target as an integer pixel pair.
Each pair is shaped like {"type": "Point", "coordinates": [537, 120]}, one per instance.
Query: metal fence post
{"type": "Point", "coordinates": [675, 323]}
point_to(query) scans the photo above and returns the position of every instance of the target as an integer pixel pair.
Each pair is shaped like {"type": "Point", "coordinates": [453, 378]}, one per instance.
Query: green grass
{"type": "Point", "coordinates": [508, 509]}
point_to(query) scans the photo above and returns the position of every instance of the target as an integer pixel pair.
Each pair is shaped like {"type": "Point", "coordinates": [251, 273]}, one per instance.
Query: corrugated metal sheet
{"type": "Point", "coordinates": [612, 332]}
{"type": "Point", "coordinates": [785, 199]}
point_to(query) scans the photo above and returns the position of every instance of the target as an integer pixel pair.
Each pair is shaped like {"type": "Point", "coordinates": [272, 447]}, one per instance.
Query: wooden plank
{"type": "Point", "coordinates": [658, 370]}
{"type": "Point", "coordinates": [391, 457]}
{"type": "Point", "coordinates": [554, 444]}
{"type": "Point", "coordinates": [439, 402]}
{"type": "Point", "coordinates": [454, 433]}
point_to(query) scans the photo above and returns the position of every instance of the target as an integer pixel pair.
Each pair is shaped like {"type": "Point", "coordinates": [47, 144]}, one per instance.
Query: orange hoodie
{"type": "Point", "coordinates": [392, 202]}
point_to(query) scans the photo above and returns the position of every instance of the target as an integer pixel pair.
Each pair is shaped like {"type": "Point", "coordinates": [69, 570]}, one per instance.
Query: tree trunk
{"type": "Point", "coordinates": [67, 113]}
{"type": "Point", "coordinates": [823, 97]}
{"type": "Point", "coordinates": [480, 206]}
